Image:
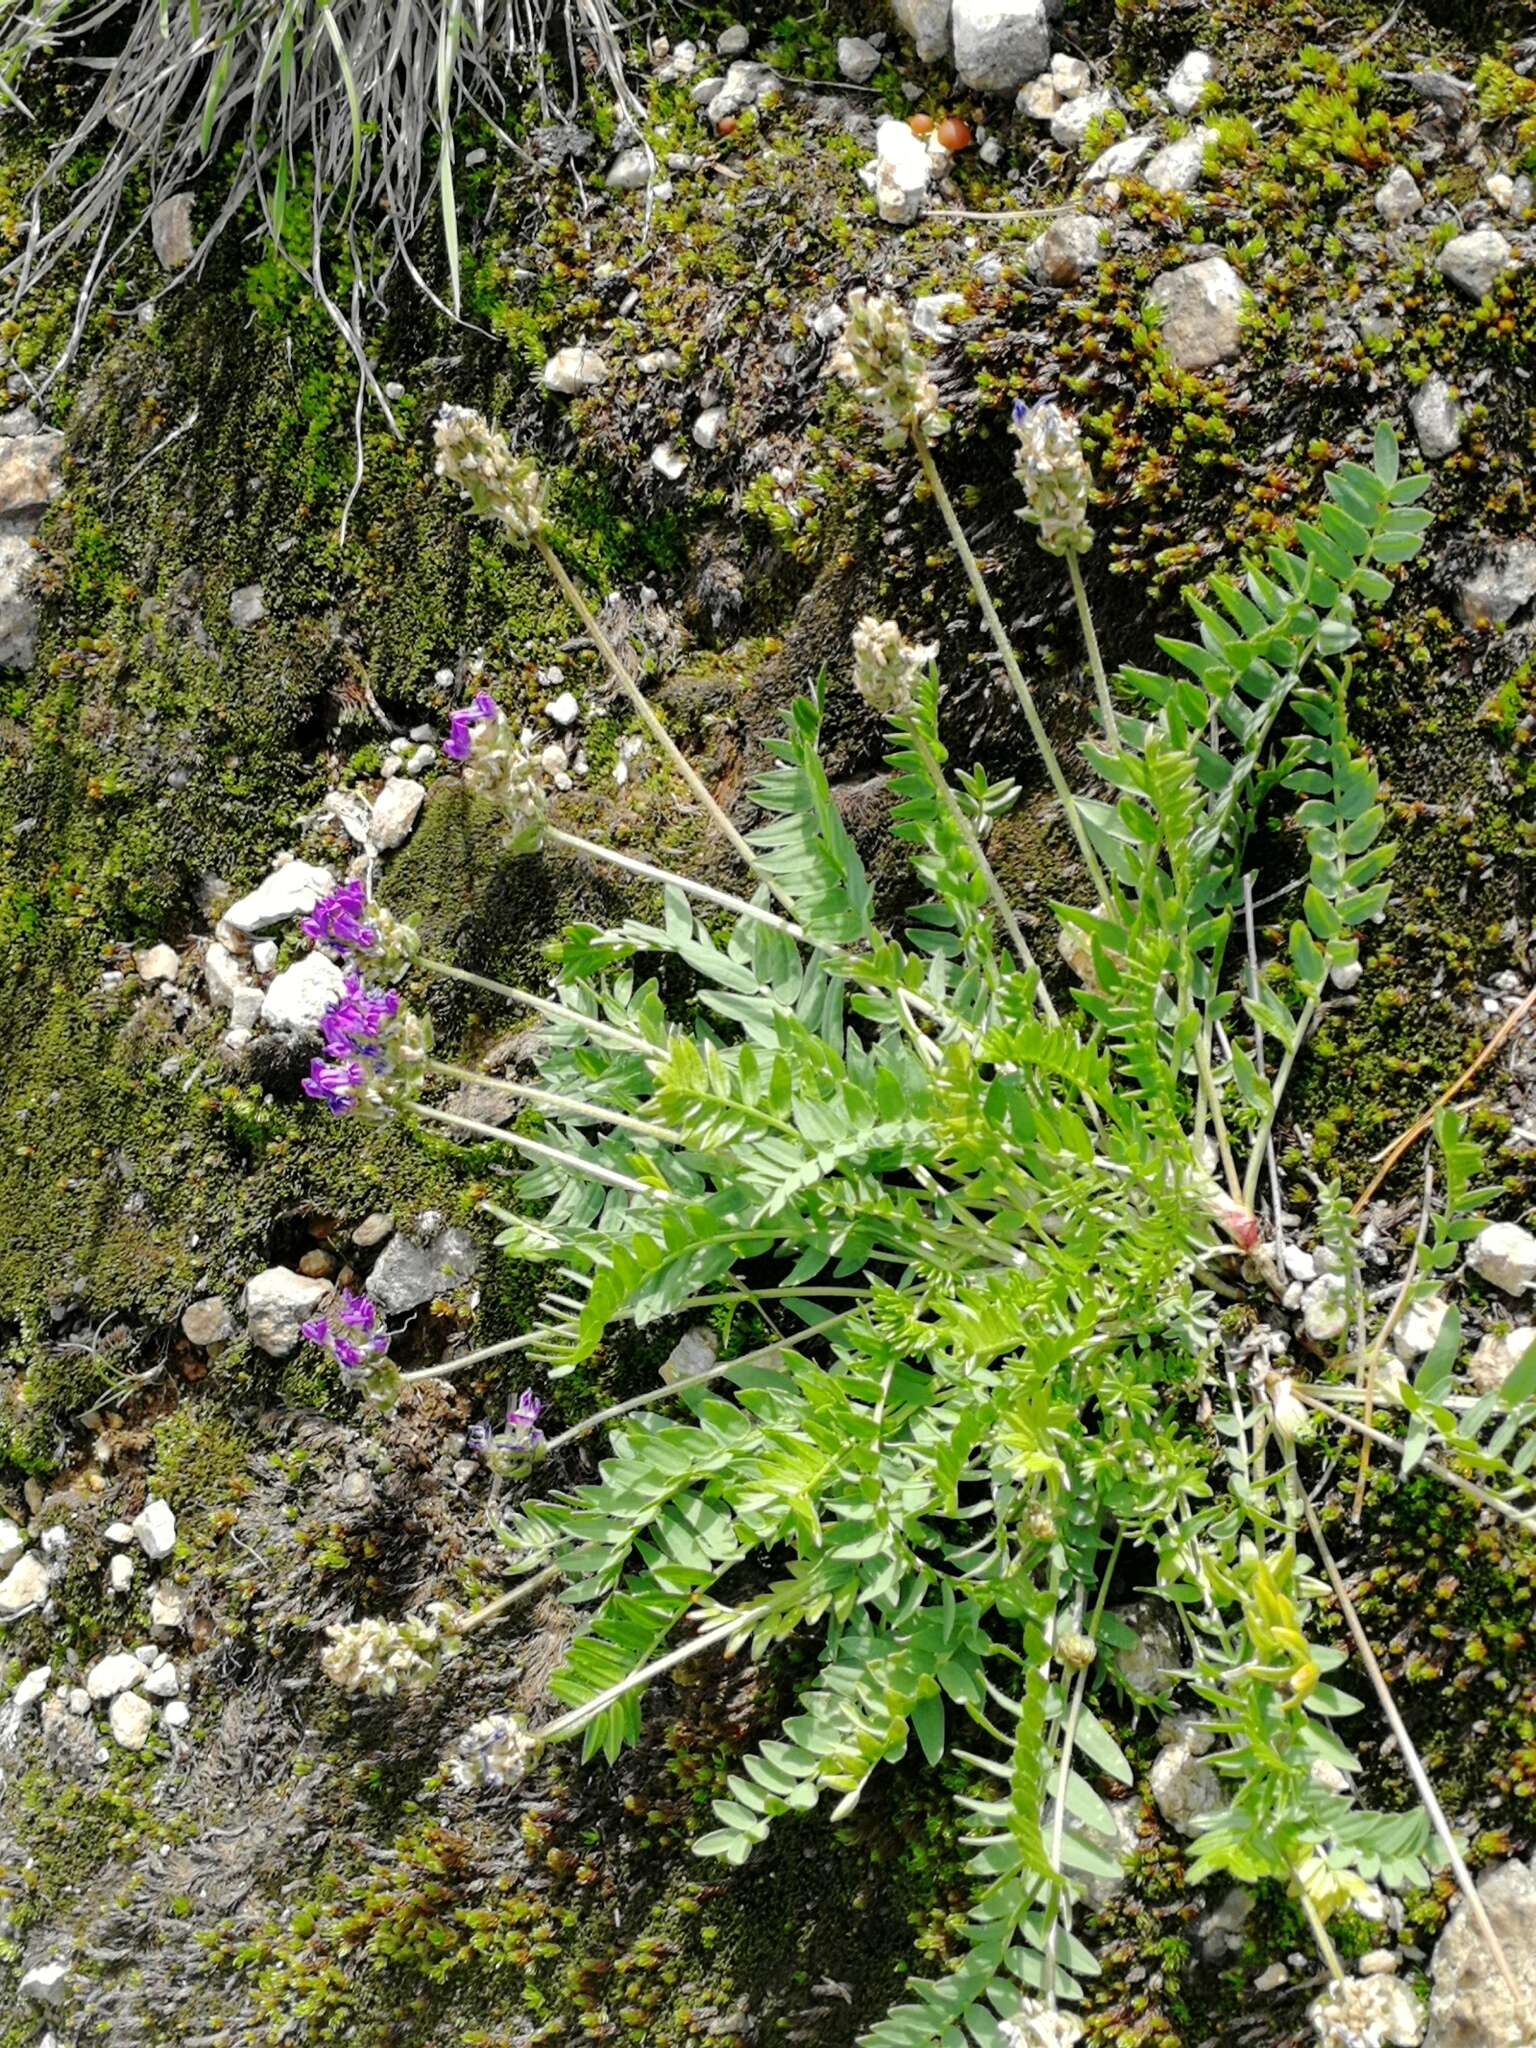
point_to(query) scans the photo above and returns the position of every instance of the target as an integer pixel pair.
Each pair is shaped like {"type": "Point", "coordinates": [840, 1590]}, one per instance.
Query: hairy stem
{"type": "Point", "coordinates": [1010, 663]}
{"type": "Point", "coordinates": [1095, 658]}
{"type": "Point", "coordinates": [543, 1006]}
{"type": "Point", "coordinates": [562, 1105]}
{"type": "Point", "coordinates": [721, 898]}
{"type": "Point", "coordinates": [1282, 1076]}
{"type": "Point", "coordinates": [571, 1162]}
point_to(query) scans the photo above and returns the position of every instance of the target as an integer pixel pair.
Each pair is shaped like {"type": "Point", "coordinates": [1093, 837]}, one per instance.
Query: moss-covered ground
{"type": "Point", "coordinates": [287, 1870]}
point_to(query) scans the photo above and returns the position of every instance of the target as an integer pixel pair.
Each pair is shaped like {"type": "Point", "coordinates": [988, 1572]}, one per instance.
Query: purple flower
{"type": "Point", "coordinates": [357, 1311]}
{"type": "Point", "coordinates": [335, 1083]}
{"type": "Point", "coordinates": [316, 1330]}
{"type": "Point", "coordinates": [352, 1028]}
{"type": "Point", "coordinates": [521, 1439]}
{"type": "Point", "coordinates": [337, 920]}
{"type": "Point", "coordinates": [463, 725]}
{"type": "Point", "coordinates": [361, 1359]}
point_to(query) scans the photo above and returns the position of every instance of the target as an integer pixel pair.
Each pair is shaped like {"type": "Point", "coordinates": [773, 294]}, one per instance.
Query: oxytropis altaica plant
{"type": "Point", "coordinates": [970, 1255]}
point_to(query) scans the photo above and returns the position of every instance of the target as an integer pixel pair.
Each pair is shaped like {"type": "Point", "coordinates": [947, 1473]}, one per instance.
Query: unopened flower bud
{"type": "Point", "coordinates": [1287, 1410]}
{"type": "Point", "coordinates": [1040, 1523]}
{"type": "Point", "coordinates": [499, 485]}
{"type": "Point", "coordinates": [1055, 477]}
{"type": "Point", "coordinates": [885, 666]}
{"type": "Point", "coordinates": [877, 360]}
{"type": "Point", "coordinates": [380, 1658]}
{"type": "Point", "coordinates": [1075, 1650]}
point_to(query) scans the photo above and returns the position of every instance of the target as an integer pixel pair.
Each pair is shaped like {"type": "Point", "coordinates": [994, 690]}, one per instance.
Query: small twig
{"type": "Point", "coordinates": [159, 449]}
{"type": "Point", "coordinates": [1399, 1146]}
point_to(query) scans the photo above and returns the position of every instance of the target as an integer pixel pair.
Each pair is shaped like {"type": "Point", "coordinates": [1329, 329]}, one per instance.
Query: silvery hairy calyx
{"type": "Point", "coordinates": [965, 1250]}
{"type": "Point", "coordinates": [498, 484]}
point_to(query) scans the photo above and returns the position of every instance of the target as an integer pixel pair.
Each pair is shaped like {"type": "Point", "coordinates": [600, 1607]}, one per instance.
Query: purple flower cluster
{"type": "Point", "coordinates": [520, 1439]}
{"type": "Point", "coordinates": [348, 1331]}
{"type": "Point", "coordinates": [463, 725]}
{"type": "Point", "coordinates": [353, 1034]}
{"type": "Point", "coordinates": [336, 922]}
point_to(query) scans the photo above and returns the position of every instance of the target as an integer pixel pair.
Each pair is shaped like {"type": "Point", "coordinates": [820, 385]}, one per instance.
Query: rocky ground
{"type": "Point", "coordinates": [1233, 236]}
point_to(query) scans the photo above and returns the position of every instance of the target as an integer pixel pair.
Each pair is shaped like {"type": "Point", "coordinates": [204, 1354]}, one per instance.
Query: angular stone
{"type": "Point", "coordinates": [1069, 75]}
{"type": "Point", "coordinates": [31, 1689]}
{"type": "Point", "coordinates": [999, 43]}
{"type": "Point", "coordinates": [105, 1680]}
{"type": "Point", "coordinates": [1502, 585]}
{"type": "Point", "coordinates": [743, 86]}
{"type": "Point", "coordinates": [927, 23]}
{"type": "Point", "coordinates": [29, 474]}
{"type": "Point", "coordinates": [407, 1275]}
{"type": "Point", "coordinates": [902, 170]}
{"type": "Point", "coordinates": [1187, 82]}
{"type": "Point", "coordinates": [1436, 419]}
{"type": "Point", "coordinates": [1071, 248]}
{"type": "Point", "coordinates": [1474, 263]}
{"type": "Point", "coordinates": [130, 1718]}
{"type": "Point", "coordinates": [1073, 118]}
{"type": "Point", "coordinates": [13, 1542]}
{"type": "Point", "coordinates": [208, 1323]}
{"type": "Point", "coordinates": [299, 997]}
{"type": "Point", "coordinates": [176, 1714]}
{"type": "Point", "coordinates": [163, 1683]}
{"type": "Point", "coordinates": [1180, 166]}
{"type": "Point", "coordinates": [170, 228]}
{"type": "Point", "coordinates": [857, 60]}
{"type": "Point", "coordinates": [247, 605]}
{"type": "Point", "coordinates": [120, 1574]}
{"type": "Point", "coordinates": [1151, 1664]}
{"type": "Point", "coordinates": [45, 1985]}
{"type": "Point", "coordinates": [222, 974]}
{"type": "Point", "coordinates": [288, 892]}
{"type": "Point", "coordinates": [395, 811]}
{"type": "Point", "coordinates": [1185, 1789]}
{"type": "Point", "coordinates": [1415, 1334]}
{"type": "Point", "coordinates": [24, 1586]}
{"type": "Point", "coordinates": [156, 963]}
{"type": "Point", "coordinates": [373, 1230]}
{"type": "Point", "coordinates": [1399, 198]}
{"type": "Point", "coordinates": [18, 604]}
{"type": "Point", "coordinates": [1505, 1256]}
{"type": "Point", "coordinates": [1120, 159]}
{"type": "Point", "coordinates": [1496, 1358]}
{"type": "Point", "coordinates": [1201, 304]}
{"type": "Point", "coordinates": [155, 1527]}
{"type": "Point", "coordinates": [571, 371]}
{"type": "Point", "coordinates": [276, 1303]}
{"type": "Point", "coordinates": [1370, 2007]}
{"type": "Point", "coordinates": [696, 1351]}
{"type": "Point", "coordinates": [167, 1609]}
{"type": "Point", "coordinates": [706, 432]}
{"type": "Point", "coordinates": [1469, 2003]}
{"type": "Point", "coordinates": [1039, 99]}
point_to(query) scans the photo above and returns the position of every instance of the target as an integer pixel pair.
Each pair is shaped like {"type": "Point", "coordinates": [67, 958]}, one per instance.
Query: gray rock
{"type": "Point", "coordinates": [999, 43]}
{"type": "Point", "coordinates": [1150, 1665]}
{"type": "Point", "coordinates": [931, 314]}
{"type": "Point", "coordinates": [1180, 165]}
{"type": "Point", "coordinates": [927, 23]}
{"type": "Point", "coordinates": [247, 605]}
{"type": "Point", "coordinates": [395, 811]}
{"type": "Point", "coordinates": [167, 1608]}
{"type": "Point", "coordinates": [130, 1718]}
{"type": "Point", "coordinates": [120, 1574]}
{"type": "Point", "coordinates": [163, 1683]}
{"type": "Point", "coordinates": [288, 892]}
{"type": "Point", "coordinates": [1120, 159]}
{"type": "Point", "coordinates": [1469, 2004]}
{"type": "Point", "coordinates": [706, 432]}
{"type": "Point", "coordinates": [1370, 2007]}
{"type": "Point", "coordinates": [1073, 118]}
{"type": "Point", "coordinates": [24, 1586]}
{"type": "Point", "coordinates": [30, 1690]}
{"type": "Point", "coordinates": [1039, 99]}
{"type": "Point", "coordinates": [901, 172]}
{"type": "Point", "coordinates": [207, 1323]}
{"type": "Point", "coordinates": [743, 86]}
{"type": "Point", "coordinates": [373, 1230]}
{"type": "Point", "coordinates": [19, 616]}
{"type": "Point", "coordinates": [1187, 82]}
{"type": "Point", "coordinates": [29, 475]}
{"type": "Point", "coordinates": [566, 708]}
{"type": "Point", "coordinates": [1496, 1358]}
{"type": "Point", "coordinates": [156, 963]}
{"type": "Point", "coordinates": [1071, 248]}
{"type": "Point", "coordinates": [696, 1351]}
{"type": "Point", "coordinates": [1503, 583]}
{"type": "Point", "coordinates": [112, 1675]}
{"type": "Point", "coordinates": [176, 1714]}
{"type": "Point", "coordinates": [222, 974]}
{"type": "Point", "coordinates": [45, 1985]}
{"type": "Point", "coordinates": [1184, 1788]}
{"type": "Point", "coordinates": [407, 1275]}
{"type": "Point", "coordinates": [1201, 304]}
{"type": "Point", "coordinates": [276, 1303]}
{"type": "Point", "coordinates": [857, 60]}
{"type": "Point", "coordinates": [1415, 1334]}
{"type": "Point", "coordinates": [1475, 262]}
{"type": "Point", "coordinates": [571, 371]}
{"type": "Point", "coordinates": [299, 997]}
{"type": "Point", "coordinates": [13, 1541]}
{"type": "Point", "coordinates": [1399, 198]}
{"type": "Point", "coordinates": [1436, 419]}
{"type": "Point", "coordinates": [734, 41]}
{"type": "Point", "coordinates": [707, 88]}
{"type": "Point", "coordinates": [1069, 75]}
{"type": "Point", "coordinates": [1505, 1256]}
{"type": "Point", "coordinates": [155, 1528]}
{"type": "Point", "coordinates": [170, 228]}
